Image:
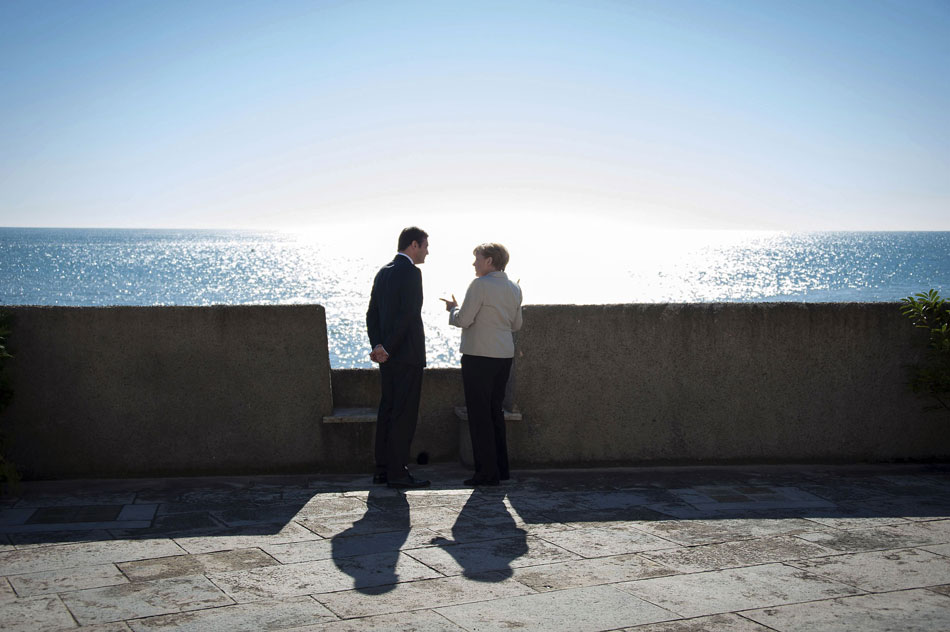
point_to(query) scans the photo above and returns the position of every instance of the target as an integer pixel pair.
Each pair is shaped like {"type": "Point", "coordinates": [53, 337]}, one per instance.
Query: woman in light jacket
{"type": "Point", "coordinates": [489, 314]}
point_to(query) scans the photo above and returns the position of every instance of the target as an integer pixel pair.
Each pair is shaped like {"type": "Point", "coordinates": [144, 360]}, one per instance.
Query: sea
{"type": "Point", "coordinates": [335, 268]}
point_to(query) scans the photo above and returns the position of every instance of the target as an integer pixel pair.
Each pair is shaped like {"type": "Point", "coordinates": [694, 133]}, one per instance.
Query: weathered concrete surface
{"type": "Point", "coordinates": [645, 549]}
{"type": "Point", "coordinates": [132, 391]}
{"type": "Point", "coordinates": [720, 382]}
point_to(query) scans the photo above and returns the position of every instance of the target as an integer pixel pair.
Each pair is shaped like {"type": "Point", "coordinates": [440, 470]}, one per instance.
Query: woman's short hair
{"type": "Point", "coordinates": [497, 252]}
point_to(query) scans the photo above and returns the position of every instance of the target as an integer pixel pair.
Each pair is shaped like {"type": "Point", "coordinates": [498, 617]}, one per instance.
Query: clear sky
{"type": "Point", "coordinates": [759, 114]}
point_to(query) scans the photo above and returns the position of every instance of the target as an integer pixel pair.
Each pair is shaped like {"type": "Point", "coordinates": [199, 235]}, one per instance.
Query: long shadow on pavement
{"type": "Point", "coordinates": [485, 517]}
{"type": "Point", "coordinates": [394, 520]}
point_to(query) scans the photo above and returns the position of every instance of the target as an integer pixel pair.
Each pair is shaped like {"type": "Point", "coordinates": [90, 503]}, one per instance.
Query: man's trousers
{"type": "Point", "coordinates": [401, 386]}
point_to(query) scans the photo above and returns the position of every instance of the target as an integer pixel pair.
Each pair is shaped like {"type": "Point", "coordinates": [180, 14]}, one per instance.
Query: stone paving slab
{"type": "Point", "coordinates": [379, 521]}
{"type": "Point", "coordinates": [414, 621]}
{"type": "Point", "coordinates": [424, 594]}
{"type": "Point", "coordinates": [340, 547]}
{"type": "Point", "coordinates": [456, 499]}
{"type": "Point", "coordinates": [203, 563]}
{"type": "Point", "coordinates": [710, 557]}
{"type": "Point", "coordinates": [574, 610]}
{"type": "Point", "coordinates": [74, 498]}
{"type": "Point", "coordinates": [879, 571]}
{"type": "Point", "coordinates": [116, 626]}
{"type": "Point", "coordinates": [724, 591]}
{"type": "Point", "coordinates": [254, 516]}
{"type": "Point", "coordinates": [490, 555]}
{"type": "Point", "coordinates": [589, 572]}
{"type": "Point", "coordinates": [247, 617]}
{"type": "Point", "coordinates": [35, 613]}
{"type": "Point", "coordinates": [45, 582]}
{"type": "Point", "coordinates": [714, 623]}
{"type": "Point", "coordinates": [902, 535]}
{"type": "Point", "coordinates": [593, 542]}
{"type": "Point", "coordinates": [622, 499]}
{"type": "Point", "coordinates": [467, 531]}
{"type": "Point", "coordinates": [650, 549]}
{"type": "Point", "coordinates": [15, 515]}
{"type": "Point", "coordinates": [705, 531]}
{"type": "Point", "coordinates": [83, 554]}
{"type": "Point", "coordinates": [312, 578]}
{"type": "Point", "coordinates": [857, 521]}
{"type": "Point", "coordinates": [232, 497]}
{"type": "Point", "coordinates": [71, 517]}
{"type": "Point", "coordinates": [6, 591]}
{"type": "Point", "coordinates": [939, 528]}
{"type": "Point", "coordinates": [143, 599]}
{"type": "Point", "coordinates": [137, 512]}
{"type": "Point", "coordinates": [78, 526]}
{"type": "Point", "coordinates": [587, 517]}
{"type": "Point", "coordinates": [940, 549]}
{"type": "Point", "coordinates": [38, 539]}
{"type": "Point", "coordinates": [499, 510]}
{"type": "Point", "coordinates": [177, 525]}
{"type": "Point", "coordinates": [907, 611]}
{"type": "Point", "coordinates": [733, 498]}
{"type": "Point", "coordinates": [943, 590]}
{"type": "Point", "coordinates": [247, 538]}
{"type": "Point", "coordinates": [550, 503]}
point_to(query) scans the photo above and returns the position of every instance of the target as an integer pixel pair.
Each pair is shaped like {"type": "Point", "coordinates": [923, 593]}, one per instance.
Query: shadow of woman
{"type": "Point", "coordinates": [368, 551]}
{"type": "Point", "coordinates": [485, 538]}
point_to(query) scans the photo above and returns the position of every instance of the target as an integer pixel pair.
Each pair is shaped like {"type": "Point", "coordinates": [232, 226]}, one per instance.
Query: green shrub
{"type": "Point", "coordinates": [932, 376]}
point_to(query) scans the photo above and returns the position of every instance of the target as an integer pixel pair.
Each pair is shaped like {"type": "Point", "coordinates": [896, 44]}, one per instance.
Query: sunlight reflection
{"type": "Point", "coordinates": [558, 259]}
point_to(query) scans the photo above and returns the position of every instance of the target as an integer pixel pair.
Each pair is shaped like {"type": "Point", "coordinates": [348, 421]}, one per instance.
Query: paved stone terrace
{"type": "Point", "coordinates": [654, 550]}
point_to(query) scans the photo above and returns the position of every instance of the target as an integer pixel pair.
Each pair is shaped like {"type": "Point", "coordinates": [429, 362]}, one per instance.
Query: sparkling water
{"type": "Point", "coordinates": [193, 267]}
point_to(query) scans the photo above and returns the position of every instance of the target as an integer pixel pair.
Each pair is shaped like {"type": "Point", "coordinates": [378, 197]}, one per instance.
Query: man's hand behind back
{"type": "Point", "coordinates": [378, 354]}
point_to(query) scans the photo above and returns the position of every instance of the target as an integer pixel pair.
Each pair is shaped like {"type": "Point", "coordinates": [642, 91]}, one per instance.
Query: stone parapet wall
{"type": "Point", "coordinates": [705, 383]}
{"type": "Point", "coordinates": [136, 391]}
{"type": "Point", "coordinates": [139, 391]}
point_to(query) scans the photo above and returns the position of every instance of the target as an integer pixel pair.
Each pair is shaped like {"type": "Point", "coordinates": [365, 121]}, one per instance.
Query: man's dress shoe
{"type": "Point", "coordinates": [407, 483]}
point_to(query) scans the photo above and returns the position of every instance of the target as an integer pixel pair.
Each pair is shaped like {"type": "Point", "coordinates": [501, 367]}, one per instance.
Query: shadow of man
{"type": "Point", "coordinates": [485, 538]}
{"type": "Point", "coordinates": [368, 551]}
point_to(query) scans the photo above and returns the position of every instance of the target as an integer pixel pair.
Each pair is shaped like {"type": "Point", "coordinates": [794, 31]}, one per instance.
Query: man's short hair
{"type": "Point", "coordinates": [497, 252]}
{"type": "Point", "coordinates": [409, 235]}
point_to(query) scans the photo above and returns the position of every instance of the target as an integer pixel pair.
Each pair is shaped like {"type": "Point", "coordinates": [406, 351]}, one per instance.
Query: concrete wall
{"type": "Point", "coordinates": [695, 383]}
{"type": "Point", "coordinates": [127, 391]}
{"type": "Point", "coordinates": [135, 391]}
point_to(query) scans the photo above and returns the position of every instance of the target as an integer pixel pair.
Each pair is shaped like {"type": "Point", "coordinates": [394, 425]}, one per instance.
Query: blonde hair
{"type": "Point", "coordinates": [497, 252]}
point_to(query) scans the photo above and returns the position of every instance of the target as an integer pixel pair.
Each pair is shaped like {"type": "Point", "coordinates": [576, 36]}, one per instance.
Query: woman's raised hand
{"type": "Point", "coordinates": [450, 305]}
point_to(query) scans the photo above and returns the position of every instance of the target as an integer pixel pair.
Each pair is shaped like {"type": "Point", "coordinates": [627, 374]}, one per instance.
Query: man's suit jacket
{"type": "Point", "coordinates": [394, 317]}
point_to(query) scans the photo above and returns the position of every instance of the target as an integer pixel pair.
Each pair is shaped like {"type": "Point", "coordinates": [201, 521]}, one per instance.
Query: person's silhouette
{"type": "Point", "coordinates": [485, 517]}
{"type": "Point", "coordinates": [388, 516]}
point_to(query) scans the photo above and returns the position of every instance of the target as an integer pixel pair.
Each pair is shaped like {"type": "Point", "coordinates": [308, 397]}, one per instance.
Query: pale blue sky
{"type": "Point", "coordinates": [790, 115]}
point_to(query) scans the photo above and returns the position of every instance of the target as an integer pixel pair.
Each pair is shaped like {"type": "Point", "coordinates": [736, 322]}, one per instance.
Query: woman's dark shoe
{"type": "Point", "coordinates": [474, 482]}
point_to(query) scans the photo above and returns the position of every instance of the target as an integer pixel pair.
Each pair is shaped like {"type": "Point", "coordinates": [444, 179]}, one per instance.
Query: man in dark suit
{"type": "Point", "coordinates": [394, 323]}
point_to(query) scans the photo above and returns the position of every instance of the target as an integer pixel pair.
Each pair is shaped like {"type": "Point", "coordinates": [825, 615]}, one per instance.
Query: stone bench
{"type": "Point", "coordinates": [351, 415]}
